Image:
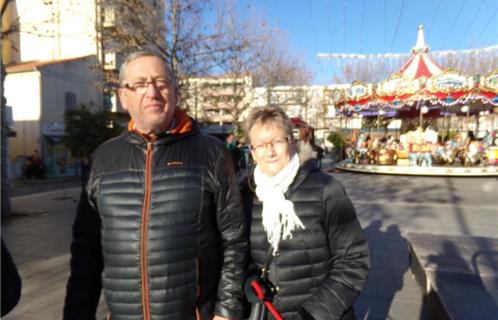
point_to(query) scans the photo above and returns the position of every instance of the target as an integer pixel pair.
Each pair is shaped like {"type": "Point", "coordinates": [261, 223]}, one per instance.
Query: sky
{"type": "Point", "coordinates": [375, 26]}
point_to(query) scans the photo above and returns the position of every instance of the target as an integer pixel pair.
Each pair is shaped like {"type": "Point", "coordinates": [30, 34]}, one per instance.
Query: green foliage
{"type": "Point", "coordinates": [86, 130]}
{"type": "Point", "coordinates": [337, 139]}
{"type": "Point", "coordinates": [452, 133]}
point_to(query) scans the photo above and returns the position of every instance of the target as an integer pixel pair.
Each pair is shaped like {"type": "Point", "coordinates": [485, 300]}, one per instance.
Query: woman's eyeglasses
{"type": "Point", "coordinates": [277, 145]}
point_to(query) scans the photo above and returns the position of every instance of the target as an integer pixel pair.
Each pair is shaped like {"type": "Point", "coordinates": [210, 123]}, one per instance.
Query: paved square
{"type": "Point", "coordinates": [388, 207]}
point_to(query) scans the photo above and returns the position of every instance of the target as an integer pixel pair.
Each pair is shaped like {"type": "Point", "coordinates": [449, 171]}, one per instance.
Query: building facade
{"type": "Point", "coordinates": [40, 93]}
{"type": "Point", "coordinates": [222, 103]}
{"type": "Point", "coordinates": [64, 53]}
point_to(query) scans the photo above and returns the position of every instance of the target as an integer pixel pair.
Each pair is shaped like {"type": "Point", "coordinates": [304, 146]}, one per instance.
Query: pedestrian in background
{"type": "Point", "coordinates": [305, 238]}
{"type": "Point", "coordinates": [233, 147]}
{"type": "Point", "coordinates": [160, 225]}
{"type": "Point", "coordinates": [307, 147]}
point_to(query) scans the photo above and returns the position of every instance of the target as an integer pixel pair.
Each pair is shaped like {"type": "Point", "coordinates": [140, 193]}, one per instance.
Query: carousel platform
{"type": "Point", "coordinates": [407, 170]}
{"type": "Point", "coordinates": [458, 275]}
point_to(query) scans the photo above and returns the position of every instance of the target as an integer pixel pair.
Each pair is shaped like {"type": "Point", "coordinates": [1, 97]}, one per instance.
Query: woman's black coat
{"type": "Point", "coordinates": [321, 270]}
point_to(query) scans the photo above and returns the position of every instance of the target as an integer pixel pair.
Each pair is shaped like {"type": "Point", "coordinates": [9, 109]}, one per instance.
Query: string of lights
{"type": "Point", "coordinates": [435, 103]}
{"type": "Point", "coordinates": [329, 25]}
{"type": "Point", "coordinates": [488, 49]}
{"type": "Point", "coordinates": [344, 25]}
{"type": "Point", "coordinates": [434, 18]}
{"type": "Point", "coordinates": [385, 19]}
{"type": "Point", "coordinates": [312, 26]}
{"type": "Point", "coordinates": [450, 32]}
{"type": "Point", "coordinates": [397, 25]}
{"type": "Point", "coordinates": [472, 21]}
{"type": "Point", "coordinates": [491, 19]}
{"type": "Point", "coordinates": [362, 13]}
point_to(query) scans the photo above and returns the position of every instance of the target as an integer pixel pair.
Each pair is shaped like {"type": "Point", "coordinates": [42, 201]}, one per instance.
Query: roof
{"type": "Point", "coordinates": [420, 65]}
{"type": "Point", "coordinates": [35, 65]}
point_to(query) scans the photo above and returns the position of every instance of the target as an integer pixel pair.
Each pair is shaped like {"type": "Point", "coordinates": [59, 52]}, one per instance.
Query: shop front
{"type": "Point", "coordinates": [57, 158]}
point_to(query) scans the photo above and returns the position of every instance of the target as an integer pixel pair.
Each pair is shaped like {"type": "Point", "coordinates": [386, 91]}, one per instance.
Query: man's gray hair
{"type": "Point", "coordinates": [144, 53]}
{"type": "Point", "coordinates": [271, 115]}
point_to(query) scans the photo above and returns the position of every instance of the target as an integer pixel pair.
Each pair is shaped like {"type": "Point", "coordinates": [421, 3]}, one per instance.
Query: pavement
{"type": "Point", "coordinates": [22, 187]}
{"type": "Point", "coordinates": [388, 207]}
{"type": "Point", "coordinates": [38, 235]}
{"type": "Point", "coordinates": [459, 274]}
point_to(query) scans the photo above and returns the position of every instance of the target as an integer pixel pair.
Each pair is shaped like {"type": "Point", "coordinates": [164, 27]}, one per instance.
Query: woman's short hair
{"type": "Point", "coordinates": [306, 134]}
{"type": "Point", "coordinates": [271, 115]}
{"type": "Point", "coordinates": [144, 53]}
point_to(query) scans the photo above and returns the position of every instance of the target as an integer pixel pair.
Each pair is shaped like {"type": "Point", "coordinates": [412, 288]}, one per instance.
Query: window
{"type": "Point", "coordinates": [70, 100]}
{"type": "Point", "coordinates": [110, 61]}
{"type": "Point", "coordinates": [109, 17]}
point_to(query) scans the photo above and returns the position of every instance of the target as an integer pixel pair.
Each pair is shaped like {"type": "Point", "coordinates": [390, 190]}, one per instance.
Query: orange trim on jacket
{"type": "Point", "coordinates": [183, 124]}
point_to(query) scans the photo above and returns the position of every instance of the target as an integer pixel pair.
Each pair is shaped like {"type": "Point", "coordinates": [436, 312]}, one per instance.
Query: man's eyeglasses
{"type": "Point", "coordinates": [277, 145]}
{"type": "Point", "coordinates": [141, 87]}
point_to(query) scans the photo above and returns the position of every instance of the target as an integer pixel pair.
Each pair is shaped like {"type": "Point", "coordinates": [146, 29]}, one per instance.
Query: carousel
{"type": "Point", "coordinates": [423, 120]}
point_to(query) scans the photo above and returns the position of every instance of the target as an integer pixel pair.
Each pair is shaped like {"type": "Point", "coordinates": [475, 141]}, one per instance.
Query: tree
{"type": "Point", "coordinates": [377, 69]}
{"type": "Point", "coordinates": [478, 63]}
{"type": "Point", "coordinates": [251, 48]}
{"type": "Point", "coordinates": [338, 141]}
{"type": "Point", "coordinates": [367, 70]}
{"type": "Point", "coordinates": [87, 129]}
{"type": "Point", "coordinates": [177, 29]}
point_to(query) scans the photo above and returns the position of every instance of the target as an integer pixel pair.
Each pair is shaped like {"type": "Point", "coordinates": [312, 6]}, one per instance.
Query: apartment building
{"type": "Point", "coordinates": [65, 53]}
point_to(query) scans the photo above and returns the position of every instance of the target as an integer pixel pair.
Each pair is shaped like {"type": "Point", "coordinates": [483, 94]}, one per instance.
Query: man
{"type": "Point", "coordinates": [160, 220]}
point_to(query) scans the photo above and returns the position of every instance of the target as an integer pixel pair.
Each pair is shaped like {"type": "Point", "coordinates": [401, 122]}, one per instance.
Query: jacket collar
{"type": "Point", "coordinates": [184, 126]}
{"type": "Point", "coordinates": [305, 169]}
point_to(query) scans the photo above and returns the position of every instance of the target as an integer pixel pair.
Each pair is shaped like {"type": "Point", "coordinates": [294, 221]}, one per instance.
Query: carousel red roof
{"type": "Point", "coordinates": [420, 65]}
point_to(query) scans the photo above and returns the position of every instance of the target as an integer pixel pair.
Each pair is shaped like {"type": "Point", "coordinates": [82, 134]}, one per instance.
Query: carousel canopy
{"type": "Point", "coordinates": [401, 89]}
{"type": "Point", "coordinates": [419, 82]}
{"type": "Point", "coordinates": [420, 65]}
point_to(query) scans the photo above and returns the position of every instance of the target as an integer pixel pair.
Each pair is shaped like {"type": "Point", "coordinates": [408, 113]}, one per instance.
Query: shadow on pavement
{"type": "Point", "coordinates": [387, 271]}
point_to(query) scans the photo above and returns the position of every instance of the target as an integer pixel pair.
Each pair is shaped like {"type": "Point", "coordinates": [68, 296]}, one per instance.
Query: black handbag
{"type": "Point", "coordinates": [264, 285]}
{"type": "Point", "coordinates": [258, 312]}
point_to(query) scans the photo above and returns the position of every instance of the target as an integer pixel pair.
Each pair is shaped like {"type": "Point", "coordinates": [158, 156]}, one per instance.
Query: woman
{"type": "Point", "coordinates": [308, 148]}
{"type": "Point", "coordinates": [303, 221]}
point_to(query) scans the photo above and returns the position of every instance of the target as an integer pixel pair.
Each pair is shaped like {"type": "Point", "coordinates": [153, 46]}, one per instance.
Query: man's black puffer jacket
{"type": "Point", "coordinates": [321, 270]}
{"type": "Point", "coordinates": [157, 212]}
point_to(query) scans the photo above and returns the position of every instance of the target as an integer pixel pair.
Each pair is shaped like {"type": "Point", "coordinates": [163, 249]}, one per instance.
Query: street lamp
{"type": "Point", "coordinates": [423, 111]}
{"type": "Point", "coordinates": [466, 109]}
{"type": "Point", "coordinates": [360, 121]}
{"type": "Point", "coordinates": [380, 113]}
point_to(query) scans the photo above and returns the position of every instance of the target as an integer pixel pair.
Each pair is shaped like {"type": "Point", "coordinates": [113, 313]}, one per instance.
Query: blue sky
{"type": "Point", "coordinates": [376, 26]}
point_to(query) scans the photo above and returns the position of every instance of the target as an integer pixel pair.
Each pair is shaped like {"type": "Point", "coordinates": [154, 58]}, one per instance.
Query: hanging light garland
{"type": "Point", "coordinates": [435, 54]}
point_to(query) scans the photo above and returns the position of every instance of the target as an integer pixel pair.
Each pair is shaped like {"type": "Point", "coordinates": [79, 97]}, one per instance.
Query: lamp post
{"type": "Point", "coordinates": [466, 109]}
{"type": "Point", "coordinates": [423, 111]}
{"type": "Point", "coordinates": [380, 113]}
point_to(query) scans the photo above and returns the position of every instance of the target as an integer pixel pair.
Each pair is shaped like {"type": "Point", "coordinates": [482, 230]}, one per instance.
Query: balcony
{"type": "Point", "coordinates": [109, 17]}
{"type": "Point", "coordinates": [110, 61]}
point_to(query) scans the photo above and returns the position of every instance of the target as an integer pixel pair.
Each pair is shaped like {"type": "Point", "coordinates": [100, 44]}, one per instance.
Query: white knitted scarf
{"type": "Point", "coordinates": [279, 217]}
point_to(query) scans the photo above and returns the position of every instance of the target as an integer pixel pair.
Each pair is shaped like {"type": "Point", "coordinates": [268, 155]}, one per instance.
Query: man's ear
{"type": "Point", "coordinates": [122, 98]}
